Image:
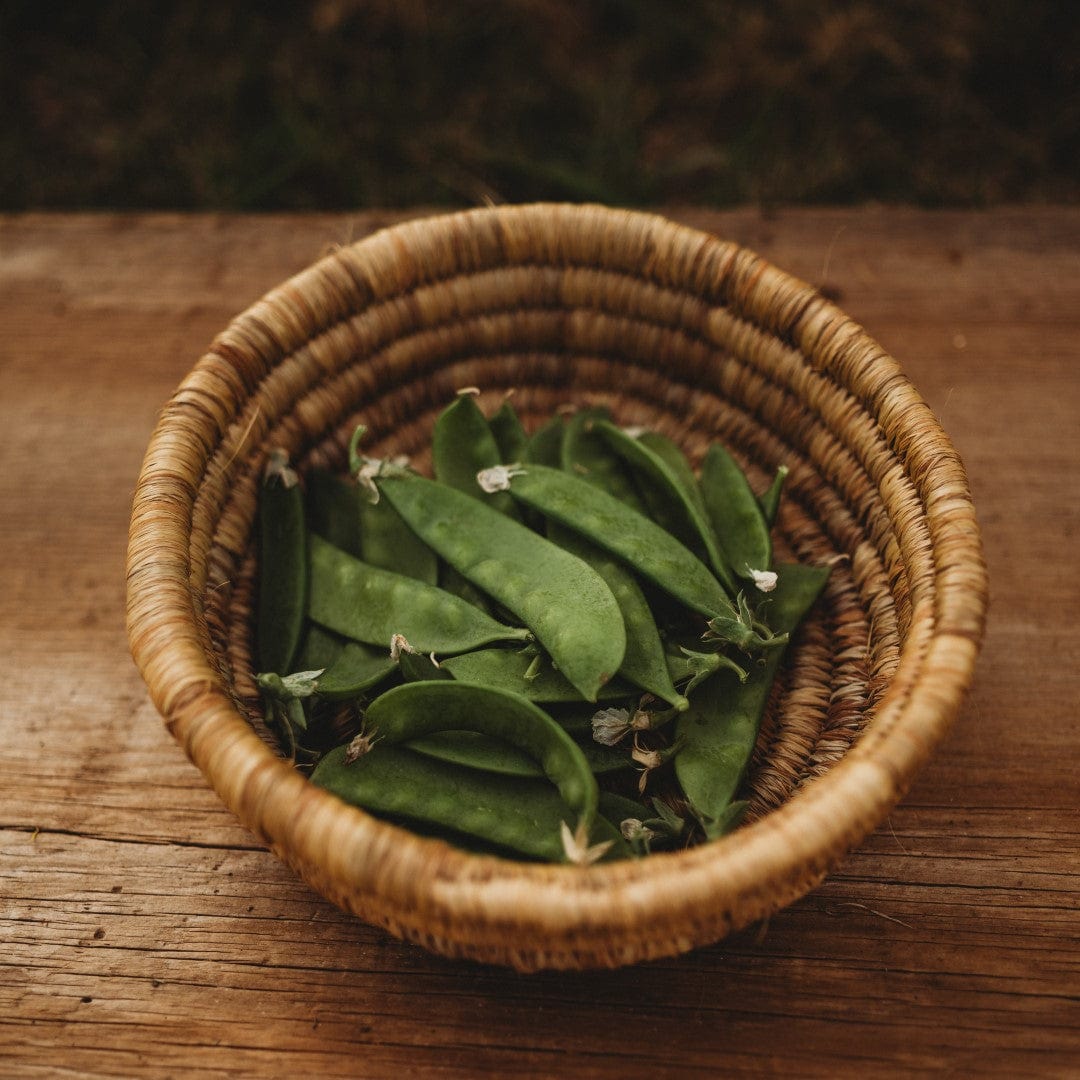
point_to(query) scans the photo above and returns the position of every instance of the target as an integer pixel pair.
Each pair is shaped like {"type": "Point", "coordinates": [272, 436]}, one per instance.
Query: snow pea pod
{"type": "Point", "coordinates": [545, 444]}
{"type": "Point", "coordinates": [509, 435]}
{"type": "Point", "coordinates": [646, 548]}
{"type": "Point", "coordinates": [640, 543]}
{"type": "Point", "coordinates": [420, 708]}
{"type": "Point", "coordinates": [769, 500]}
{"type": "Point", "coordinates": [720, 728]}
{"type": "Point", "coordinates": [462, 446]}
{"type": "Point", "coordinates": [681, 504]}
{"type": "Point", "coordinates": [283, 567]}
{"type": "Point", "coordinates": [563, 601]}
{"type": "Point", "coordinates": [735, 512]}
{"type": "Point", "coordinates": [517, 672]}
{"type": "Point", "coordinates": [357, 668]}
{"type": "Point", "coordinates": [644, 663]}
{"type": "Point", "coordinates": [333, 509]}
{"type": "Point", "coordinates": [523, 818]}
{"type": "Point", "coordinates": [369, 604]}
{"type": "Point", "coordinates": [587, 453]}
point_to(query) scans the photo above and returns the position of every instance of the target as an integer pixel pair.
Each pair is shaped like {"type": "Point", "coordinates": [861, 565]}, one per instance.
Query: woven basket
{"type": "Point", "coordinates": [671, 328]}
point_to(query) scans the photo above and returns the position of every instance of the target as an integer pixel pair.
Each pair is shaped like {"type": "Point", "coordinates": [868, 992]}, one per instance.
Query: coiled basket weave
{"type": "Point", "coordinates": [670, 328]}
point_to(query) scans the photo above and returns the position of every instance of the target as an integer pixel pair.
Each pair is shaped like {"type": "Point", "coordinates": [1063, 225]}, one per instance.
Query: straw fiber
{"type": "Point", "coordinates": [672, 328]}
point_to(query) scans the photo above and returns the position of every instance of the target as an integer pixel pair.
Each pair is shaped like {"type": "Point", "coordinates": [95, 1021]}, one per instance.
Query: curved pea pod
{"type": "Point", "coordinates": [283, 567]}
{"type": "Point", "coordinates": [545, 444]}
{"type": "Point", "coordinates": [415, 667]}
{"type": "Point", "coordinates": [517, 672]}
{"type": "Point", "coordinates": [736, 514]}
{"type": "Point", "coordinates": [421, 708]}
{"type": "Point", "coordinates": [681, 504]}
{"type": "Point", "coordinates": [369, 604]}
{"type": "Point", "coordinates": [333, 505]}
{"type": "Point", "coordinates": [644, 663]}
{"type": "Point", "coordinates": [720, 728]}
{"type": "Point", "coordinates": [524, 817]}
{"type": "Point", "coordinates": [462, 446]}
{"type": "Point", "coordinates": [769, 500]}
{"type": "Point", "coordinates": [356, 669]}
{"type": "Point", "coordinates": [563, 601]}
{"type": "Point", "coordinates": [587, 453]}
{"type": "Point", "coordinates": [510, 436]}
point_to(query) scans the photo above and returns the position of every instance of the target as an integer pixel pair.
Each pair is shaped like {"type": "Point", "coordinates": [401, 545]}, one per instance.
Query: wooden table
{"type": "Point", "coordinates": [146, 934]}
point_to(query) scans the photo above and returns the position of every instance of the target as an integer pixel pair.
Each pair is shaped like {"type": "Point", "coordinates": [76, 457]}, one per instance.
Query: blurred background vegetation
{"type": "Point", "coordinates": [343, 104]}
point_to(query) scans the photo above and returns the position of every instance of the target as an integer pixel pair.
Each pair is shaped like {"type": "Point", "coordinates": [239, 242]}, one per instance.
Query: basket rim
{"type": "Point", "coordinates": [755, 870]}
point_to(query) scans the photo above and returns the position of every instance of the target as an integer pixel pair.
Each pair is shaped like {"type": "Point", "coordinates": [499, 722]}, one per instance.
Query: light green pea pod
{"type": "Point", "coordinates": [510, 436]}
{"type": "Point", "coordinates": [644, 663]}
{"type": "Point", "coordinates": [670, 452]}
{"type": "Point", "coordinates": [523, 672]}
{"type": "Point", "coordinates": [720, 728]}
{"type": "Point", "coordinates": [678, 508]}
{"type": "Point", "coordinates": [736, 514]}
{"type": "Point", "coordinates": [562, 600]}
{"type": "Point", "coordinates": [283, 570]}
{"type": "Point", "coordinates": [545, 444]}
{"type": "Point", "coordinates": [609, 523]}
{"type": "Point", "coordinates": [463, 446]}
{"type": "Point", "coordinates": [356, 669]}
{"type": "Point", "coordinates": [385, 540]}
{"type": "Point", "coordinates": [769, 500]}
{"type": "Point", "coordinates": [524, 818]}
{"type": "Point", "coordinates": [333, 506]}
{"type": "Point", "coordinates": [418, 709]}
{"type": "Point", "coordinates": [586, 453]}
{"type": "Point", "coordinates": [371, 605]}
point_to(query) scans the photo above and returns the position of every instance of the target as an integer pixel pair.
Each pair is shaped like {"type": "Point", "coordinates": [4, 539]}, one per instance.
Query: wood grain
{"type": "Point", "coordinates": [147, 934]}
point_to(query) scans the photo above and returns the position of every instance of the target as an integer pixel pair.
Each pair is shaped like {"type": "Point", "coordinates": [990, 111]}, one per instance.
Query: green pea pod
{"type": "Point", "coordinates": [650, 551]}
{"type": "Point", "coordinates": [283, 567]}
{"type": "Point", "coordinates": [518, 672]}
{"type": "Point", "coordinates": [333, 509]}
{"type": "Point", "coordinates": [453, 582]}
{"type": "Point", "coordinates": [682, 504]}
{"type": "Point", "coordinates": [387, 542]}
{"type": "Point", "coordinates": [735, 512]}
{"type": "Point", "coordinates": [509, 435]}
{"type": "Point", "coordinates": [524, 818]}
{"type": "Point", "coordinates": [670, 452]}
{"type": "Point", "coordinates": [720, 728]}
{"type": "Point", "coordinates": [770, 498]}
{"type": "Point", "coordinates": [420, 708]}
{"type": "Point", "coordinates": [319, 648]}
{"type": "Point", "coordinates": [644, 663]}
{"type": "Point", "coordinates": [545, 444]}
{"type": "Point", "coordinates": [356, 669]}
{"type": "Point", "coordinates": [615, 527]}
{"type": "Point", "coordinates": [462, 446]}
{"type": "Point", "coordinates": [477, 751]}
{"type": "Point", "coordinates": [564, 602]}
{"type": "Point", "coordinates": [587, 453]}
{"type": "Point", "coordinates": [369, 604]}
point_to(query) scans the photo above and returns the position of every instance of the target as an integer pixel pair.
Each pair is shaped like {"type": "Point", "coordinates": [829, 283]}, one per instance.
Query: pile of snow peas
{"type": "Point", "coordinates": [559, 648]}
